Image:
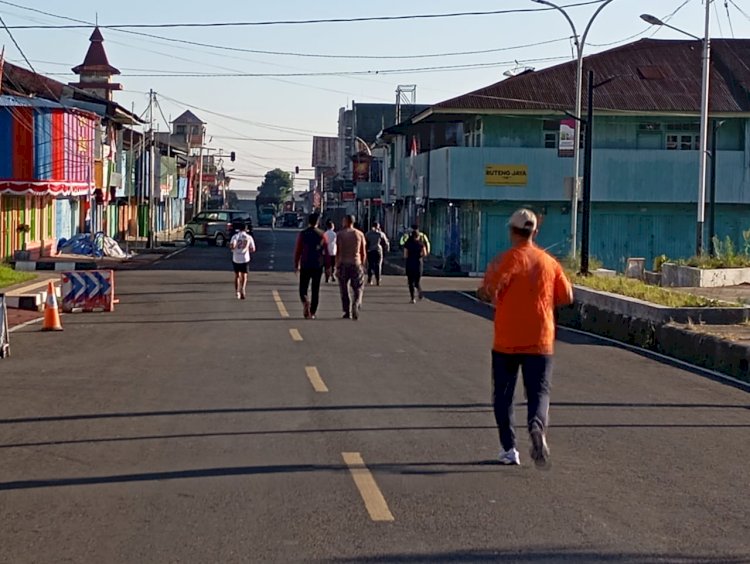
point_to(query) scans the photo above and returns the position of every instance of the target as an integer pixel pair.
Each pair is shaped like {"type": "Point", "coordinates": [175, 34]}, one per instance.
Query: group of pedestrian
{"type": "Point", "coordinates": [525, 284]}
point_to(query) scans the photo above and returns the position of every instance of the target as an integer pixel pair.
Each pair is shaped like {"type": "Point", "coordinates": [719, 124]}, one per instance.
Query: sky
{"type": "Point", "coordinates": [269, 121]}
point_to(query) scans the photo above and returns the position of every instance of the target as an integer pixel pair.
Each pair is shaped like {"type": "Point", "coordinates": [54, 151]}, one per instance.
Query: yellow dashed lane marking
{"type": "Point", "coordinates": [295, 335]}
{"type": "Point", "coordinates": [368, 489]}
{"type": "Point", "coordinates": [317, 382]}
{"type": "Point", "coordinates": [280, 304]}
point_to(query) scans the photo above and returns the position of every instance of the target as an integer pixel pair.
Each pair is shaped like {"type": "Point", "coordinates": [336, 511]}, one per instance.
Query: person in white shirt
{"type": "Point", "coordinates": [242, 245]}
{"type": "Point", "coordinates": [331, 249]}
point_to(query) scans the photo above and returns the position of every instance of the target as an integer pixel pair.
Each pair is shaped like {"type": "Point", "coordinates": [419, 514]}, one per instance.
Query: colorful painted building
{"type": "Point", "coordinates": [46, 158]}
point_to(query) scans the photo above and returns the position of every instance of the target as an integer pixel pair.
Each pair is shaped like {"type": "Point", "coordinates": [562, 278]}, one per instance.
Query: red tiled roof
{"type": "Point", "coordinates": [649, 75]}
{"type": "Point", "coordinates": [96, 57]}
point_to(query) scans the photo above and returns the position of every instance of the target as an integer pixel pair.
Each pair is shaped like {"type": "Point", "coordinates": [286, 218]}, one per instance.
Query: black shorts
{"type": "Point", "coordinates": [241, 267]}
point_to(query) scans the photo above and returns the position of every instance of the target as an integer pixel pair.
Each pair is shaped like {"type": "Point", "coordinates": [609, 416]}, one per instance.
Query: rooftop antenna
{"type": "Point", "coordinates": [518, 69]}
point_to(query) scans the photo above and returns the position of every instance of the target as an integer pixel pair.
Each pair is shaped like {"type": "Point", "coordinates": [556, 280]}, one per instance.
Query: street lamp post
{"type": "Point", "coordinates": [701, 215]}
{"type": "Point", "coordinates": [580, 44]}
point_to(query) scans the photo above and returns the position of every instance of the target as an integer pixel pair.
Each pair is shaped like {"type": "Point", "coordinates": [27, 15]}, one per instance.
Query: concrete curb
{"type": "Point", "coordinates": [54, 266]}
{"type": "Point", "coordinates": [720, 358]}
{"type": "Point", "coordinates": [31, 299]}
{"type": "Point", "coordinates": [640, 309]}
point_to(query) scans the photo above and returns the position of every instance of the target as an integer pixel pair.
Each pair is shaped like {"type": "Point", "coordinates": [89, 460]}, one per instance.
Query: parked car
{"type": "Point", "coordinates": [215, 226]}
{"type": "Point", "coordinates": [291, 219]}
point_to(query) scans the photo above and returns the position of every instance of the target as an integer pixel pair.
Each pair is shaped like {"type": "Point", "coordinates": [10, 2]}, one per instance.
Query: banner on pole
{"type": "Point", "coordinates": [566, 147]}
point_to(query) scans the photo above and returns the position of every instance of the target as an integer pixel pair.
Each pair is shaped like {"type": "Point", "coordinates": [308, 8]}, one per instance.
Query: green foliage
{"type": "Point", "coordinates": [659, 261]}
{"type": "Point", "coordinates": [642, 291]}
{"type": "Point", "coordinates": [9, 277]}
{"type": "Point", "coordinates": [276, 188]}
{"type": "Point", "coordinates": [725, 255]}
{"type": "Point", "coordinates": [574, 264]}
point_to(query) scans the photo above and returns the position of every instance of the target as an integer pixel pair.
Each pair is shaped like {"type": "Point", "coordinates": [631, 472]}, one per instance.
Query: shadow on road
{"type": "Point", "coordinates": [463, 303]}
{"type": "Point", "coordinates": [444, 407]}
{"type": "Point", "coordinates": [549, 555]}
{"type": "Point", "coordinates": [410, 468]}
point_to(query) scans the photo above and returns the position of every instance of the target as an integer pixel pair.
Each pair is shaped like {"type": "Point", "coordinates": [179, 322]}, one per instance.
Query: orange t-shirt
{"type": "Point", "coordinates": [526, 284]}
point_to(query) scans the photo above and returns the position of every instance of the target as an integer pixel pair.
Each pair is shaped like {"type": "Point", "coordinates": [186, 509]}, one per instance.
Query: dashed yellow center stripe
{"type": "Point", "coordinates": [280, 304]}
{"type": "Point", "coordinates": [295, 335]}
{"type": "Point", "coordinates": [372, 496]}
{"type": "Point", "coordinates": [317, 382]}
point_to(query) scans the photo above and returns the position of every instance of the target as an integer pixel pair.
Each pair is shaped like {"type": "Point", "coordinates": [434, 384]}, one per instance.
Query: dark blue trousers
{"type": "Point", "coordinates": [537, 371]}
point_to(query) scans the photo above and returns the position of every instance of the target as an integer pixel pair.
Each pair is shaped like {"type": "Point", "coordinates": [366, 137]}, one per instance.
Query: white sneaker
{"type": "Point", "coordinates": [239, 296]}
{"type": "Point", "coordinates": [509, 457]}
{"type": "Point", "coordinates": [539, 450]}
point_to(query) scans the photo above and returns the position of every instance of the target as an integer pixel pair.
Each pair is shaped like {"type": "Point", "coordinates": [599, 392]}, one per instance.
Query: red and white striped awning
{"type": "Point", "coordinates": [44, 188]}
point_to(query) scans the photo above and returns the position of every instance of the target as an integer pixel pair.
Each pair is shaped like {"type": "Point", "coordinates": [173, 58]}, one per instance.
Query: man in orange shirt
{"type": "Point", "coordinates": [526, 285]}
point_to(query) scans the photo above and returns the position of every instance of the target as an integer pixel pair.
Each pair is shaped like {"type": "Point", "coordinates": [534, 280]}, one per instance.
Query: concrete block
{"type": "Point", "coordinates": [25, 265]}
{"type": "Point", "coordinates": [604, 272]}
{"type": "Point", "coordinates": [652, 278]}
{"type": "Point", "coordinates": [675, 275]}
{"type": "Point", "coordinates": [655, 313]}
{"type": "Point", "coordinates": [635, 268]}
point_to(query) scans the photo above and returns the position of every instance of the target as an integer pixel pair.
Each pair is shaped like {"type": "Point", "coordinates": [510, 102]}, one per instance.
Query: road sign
{"type": "Point", "coordinates": [4, 332]}
{"type": "Point", "coordinates": [90, 290]}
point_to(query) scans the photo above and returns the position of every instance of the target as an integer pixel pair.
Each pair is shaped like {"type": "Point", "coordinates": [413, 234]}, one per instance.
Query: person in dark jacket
{"type": "Point", "coordinates": [309, 253]}
{"type": "Point", "coordinates": [415, 250]}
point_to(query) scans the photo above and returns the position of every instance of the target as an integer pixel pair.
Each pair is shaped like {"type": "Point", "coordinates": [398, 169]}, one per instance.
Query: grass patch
{"type": "Point", "coordinates": [642, 291]}
{"type": "Point", "coordinates": [9, 277]}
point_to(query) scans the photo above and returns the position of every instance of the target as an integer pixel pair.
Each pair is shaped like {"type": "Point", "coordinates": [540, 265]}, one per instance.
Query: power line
{"type": "Point", "coordinates": [13, 39]}
{"type": "Point", "coordinates": [643, 32]}
{"type": "Point", "coordinates": [290, 22]}
{"type": "Point", "coordinates": [262, 140]}
{"type": "Point", "coordinates": [330, 73]}
{"type": "Point", "coordinates": [740, 10]}
{"type": "Point", "coordinates": [729, 17]}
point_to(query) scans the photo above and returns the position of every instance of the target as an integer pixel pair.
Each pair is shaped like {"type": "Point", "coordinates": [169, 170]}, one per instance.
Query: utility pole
{"type": "Point", "coordinates": [200, 172]}
{"type": "Point", "coordinates": [588, 153]}
{"type": "Point", "coordinates": [704, 132]}
{"type": "Point", "coordinates": [152, 175]}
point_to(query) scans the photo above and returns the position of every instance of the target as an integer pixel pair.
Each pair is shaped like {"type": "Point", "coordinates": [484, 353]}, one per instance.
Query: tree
{"type": "Point", "coordinates": [276, 188]}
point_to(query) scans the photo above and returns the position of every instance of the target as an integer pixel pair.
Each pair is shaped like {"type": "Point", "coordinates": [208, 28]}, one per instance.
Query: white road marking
{"type": "Point", "coordinates": [25, 324]}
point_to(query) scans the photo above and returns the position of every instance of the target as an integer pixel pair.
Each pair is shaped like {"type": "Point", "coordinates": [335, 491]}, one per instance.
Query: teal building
{"type": "Point", "coordinates": [462, 166]}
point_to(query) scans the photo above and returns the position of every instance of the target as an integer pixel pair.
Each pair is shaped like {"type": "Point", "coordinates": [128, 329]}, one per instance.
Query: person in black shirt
{"type": "Point", "coordinates": [415, 251]}
{"type": "Point", "coordinates": [308, 263]}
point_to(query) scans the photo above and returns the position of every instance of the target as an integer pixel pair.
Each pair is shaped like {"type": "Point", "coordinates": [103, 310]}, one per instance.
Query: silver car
{"type": "Point", "coordinates": [215, 226]}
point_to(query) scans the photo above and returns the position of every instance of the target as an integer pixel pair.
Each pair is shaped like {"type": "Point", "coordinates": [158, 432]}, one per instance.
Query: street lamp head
{"type": "Point", "coordinates": [653, 20]}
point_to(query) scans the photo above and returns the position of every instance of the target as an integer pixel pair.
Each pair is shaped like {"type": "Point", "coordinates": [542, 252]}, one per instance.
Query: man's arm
{"type": "Point", "coordinates": [385, 242]}
{"type": "Point", "coordinates": [362, 248]}
{"type": "Point", "coordinates": [496, 278]}
{"type": "Point", "coordinates": [563, 288]}
{"type": "Point", "coordinates": [250, 244]}
{"type": "Point", "coordinates": [298, 252]}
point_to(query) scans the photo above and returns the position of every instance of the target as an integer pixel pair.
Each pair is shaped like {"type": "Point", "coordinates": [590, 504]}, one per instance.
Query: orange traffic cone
{"type": "Point", "coordinates": [51, 313]}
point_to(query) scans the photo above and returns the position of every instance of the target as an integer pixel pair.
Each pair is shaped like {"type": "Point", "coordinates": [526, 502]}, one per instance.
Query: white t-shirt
{"type": "Point", "coordinates": [242, 245]}
{"type": "Point", "coordinates": [331, 242]}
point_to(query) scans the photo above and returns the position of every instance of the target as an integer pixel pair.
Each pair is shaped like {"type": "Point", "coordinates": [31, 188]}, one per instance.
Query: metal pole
{"type": "Point", "coordinates": [704, 134]}
{"type": "Point", "coordinates": [712, 192]}
{"type": "Point", "coordinates": [576, 155]}
{"type": "Point", "coordinates": [586, 219]}
{"type": "Point", "coordinates": [200, 172]}
{"type": "Point", "coordinates": [152, 172]}
{"type": "Point", "coordinates": [580, 44]}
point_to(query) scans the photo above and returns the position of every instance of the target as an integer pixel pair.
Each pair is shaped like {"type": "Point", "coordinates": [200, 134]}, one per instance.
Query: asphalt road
{"type": "Point", "coordinates": [187, 426]}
